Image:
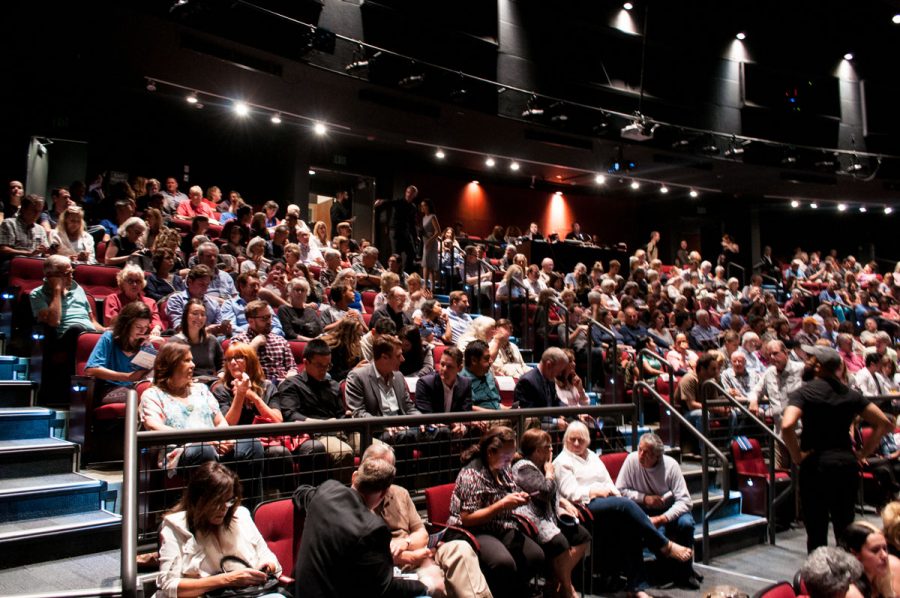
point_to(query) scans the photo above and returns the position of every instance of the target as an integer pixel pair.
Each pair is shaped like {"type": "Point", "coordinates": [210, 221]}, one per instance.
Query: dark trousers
{"type": "Point", "coordinates": [827, 491]}
{"type": "Point", "coordinates": [402, 245]}
{"type": "Point", "coordinates": [509, 560]}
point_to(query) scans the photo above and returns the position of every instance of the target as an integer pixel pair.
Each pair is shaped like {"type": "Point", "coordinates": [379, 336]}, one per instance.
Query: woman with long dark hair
{"type": "Point", "coordinates": [205, 528]}
{"type": "Point", "coordinates": [110, 361]}
{"type": "Point", "coordinates": [418, 359]}
{"type": "Point", "coordinates": [205, 349]}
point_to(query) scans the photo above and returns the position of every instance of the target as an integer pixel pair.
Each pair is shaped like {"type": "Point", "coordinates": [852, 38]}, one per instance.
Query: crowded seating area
{"type": "Point", "coordinates": [219, 312]}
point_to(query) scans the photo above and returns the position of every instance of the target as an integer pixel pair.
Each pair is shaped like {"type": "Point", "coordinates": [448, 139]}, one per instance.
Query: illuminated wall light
{"type": "Point", "coordinates": [192, 98]}
{"type": "Point", "coordinates": [440, 155]}
{"type": "Point", "coordinates": [862, 209]}
{"type": "Point", "coordinates": [489, 162]}
{"type": "Point", "coordinates": [814, 206]}
{"type": "Point", "coordinates": [795, 204]}
{"type": "Point", "coordinates": [241, 108]}
{"type": "Point", "coordinates": [514, 166]}
{"type": "Point", "coordinates": [320, 129]}
{"type": "Point", "coordinates": [895, 19]}
{"type": "Point", "coordinates": [741, 36]}
{"type": "Point", "coordinates": [276, 118]}
{"type": "Point", "coordinates": [842, 207]}
{"type": "Point", "coordinates": [848, 56]}
{"type": "Point", "coordinates": [600, 179]}
{"type": "Point", "coordinates": [693, 193]}
{"type": "Point", "coordinates": [151, 85]}
{"type": "Point", "coordinates": [635, 185]}
{"type": "Point", "coordinates": [628, 6]}
{"type": "Point", "coordinates": [312, 173]}
{"type": "Point", "coordinates": [888, 210]}
{"type": "Point", "coordinates": [663, 189]}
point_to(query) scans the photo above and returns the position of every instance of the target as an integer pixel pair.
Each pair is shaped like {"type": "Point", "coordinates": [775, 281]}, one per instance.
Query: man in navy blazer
{"type": "Point", "coordinates": [445, 390]}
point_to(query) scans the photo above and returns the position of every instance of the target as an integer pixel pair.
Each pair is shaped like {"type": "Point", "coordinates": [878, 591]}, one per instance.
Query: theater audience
{"type": "Point", "coordinates": [445, 390]}
{"type": "Point", "coordinates": [458, 317]}
{"type": "Point", "coordinates": [221, 284]}
{"type": "Point", "coordinates": [681, 357]}
{"type": "Point", "coordinates": [125, 245]}
{"type": "Point", "coordinates": [537, 388]}
{"type": "Point", "coordinates": [235, 309]}
{"type": "Point", "coordinates": [344, 339]}
{"type": "Point", "coordinates": [206, 350]}
{"type": "Point", "coordinates": [299, 320]}
{"type": "Point", "coordinates": [418, 357]}
{"type": "Point", "coordinates": [509, 361]}
{"type": "Point", "coordinates": [368, 270]}
{"type": "Point", "coordinates": [61, 304]}
{"type": "Point", "coordinates": [196, 287]}
{"type": "Point", "coordinates": [110, 362]}
{"type": "Point", "coordinates": [20, 234]}
{"type": "Point", "coordinates": [569, 386]}
{"type": "Point", "coordinates": [393, 309]}
{"type": "Point", "coordinates": [485, 393]}
{"type": "Point", "coordinates": [70, 238]}
{"type": "Point", "coordinates": [131, 286]}
{"type": "Point", "coordinates": [829, 572]}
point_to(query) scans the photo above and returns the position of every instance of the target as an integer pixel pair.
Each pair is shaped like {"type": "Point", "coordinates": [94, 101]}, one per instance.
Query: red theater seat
{"type": "Point", "coordinates": [613, 463]}
{"type": "Point", "coordinates": [282, 528]}
{"type": "Point", "coordinates": [97, 280]}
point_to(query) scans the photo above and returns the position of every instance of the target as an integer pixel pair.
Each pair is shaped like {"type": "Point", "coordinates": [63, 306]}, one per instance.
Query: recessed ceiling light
{"type": "Point", "coordinates": [192, 98]}
{"type": "Point", "coordinates": [848, 56]}
{"type": "Point", "coordinates": [558, 194]}
{"type": "Point", "coordinates": [635, 185]}
{"type": "Point", "coordinates": [439, 154]}
{"type": "Point", "coordinates": [489, 162]}
{"type": "Point", "coordinates": [663, 189]}
{"type": "Point", "coordinates": [795, 204]}
{"type": "Point", "coordinates": [842, 207]}
{"type": "Point", "coordinates": [814, 205]}
{"type": "Point", "coordinates": [474, 183]}
{"type": "Point", "coordinates": [863, 209]}
{"type": "Point", "coordinates": [895, 19]}
{"type": "Point", "coordinates": [151, 85]}
{"type": "Point", "coordinates": [888, 210]}
{"type": "Point", "coordinates": [241, 109]}
{"type": "Point", "coordinates": [628, 6]}
{"type": "Point", "coordinates": [741, 36]}
{"type": "Point", "coordinates": [599, 179]}
{"type": "Point", "coordinates": [320, 129]}
{"type": "Point", "coordinates": [693, 193]}
{"type": "Point", "coordinates": [312, 173]}
{"type": "Point", "coordinates": [514, 166]}
{"type": "Point", "coordinates": [276, 118]}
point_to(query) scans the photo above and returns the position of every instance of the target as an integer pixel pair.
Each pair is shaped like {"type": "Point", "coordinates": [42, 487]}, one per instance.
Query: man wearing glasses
{"type": "Point", "coordinates": [235, 310]}
{"type": "Point", "coordinates": [274, 352]}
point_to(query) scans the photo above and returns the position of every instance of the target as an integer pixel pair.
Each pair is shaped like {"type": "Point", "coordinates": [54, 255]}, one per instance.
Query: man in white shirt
{"type": "Point", "coordinates": [458, 317]}
{"type": "Point", "coordinates": [865, 380]}
{"type": "Point", "coordinates": [780, 378]}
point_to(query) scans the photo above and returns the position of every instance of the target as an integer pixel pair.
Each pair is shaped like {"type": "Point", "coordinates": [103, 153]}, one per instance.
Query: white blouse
{"type": "Point", "coordinates": [576, 477]}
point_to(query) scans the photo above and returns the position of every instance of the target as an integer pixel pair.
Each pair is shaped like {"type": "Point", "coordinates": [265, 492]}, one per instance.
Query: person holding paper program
{"type": "Point", "coordinates": [112, 360]}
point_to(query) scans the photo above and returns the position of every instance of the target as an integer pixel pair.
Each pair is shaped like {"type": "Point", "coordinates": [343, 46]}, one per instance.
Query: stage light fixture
{"type": "Point", "coordinates": [440, 155]}
{"type": "Point", "coordinates": [558, 194]}
{"type": "Point", "coordinates": [628, 6]}
{"type": "Point", "coordinates": [814, 206]}
{"type": "Point", "coordinates": [693, 193]}
{"type": "Point", "coordinates": [635, 185]}
{"type": "Point", "coordinates": [795, 204]}
{"type": "Point", "coordinates": [489, 162]}
{"type": "Point", "coordinates": [532, 110]}
{"type": "Point", "coordinates": [320, 129]}
{"type": "Point", "coordinates": [151, 85]}
{"type": "Point", "coordinates": [895, 19]}
{"type": "Point", "coordinates": [888, 210]}
{"type": "Point", "coordinates": [663, 189]}
{"type": "Point", "coordinates": [600, 179]}
{"type": "Point", "coordinates": [475, 182]}
{"type": "Point", "coordinates": [192, 98]}
{"type": "Point", "coordinates": [276, 118]}
{"type": "Point", "coordinates": [514, 166]}
{"type": "Point", "coordinates": [741, 36]}
{"type": "Point", "coordinates": [848, 56]}
{"type": "Point", "coordinates": [312, 173]}
{"type": "Point", "coordinates": [842, 207]}
{"type": "Point", "coordinates": [863, 209]}
{"type": "Point", "coordinates": [241, 108]}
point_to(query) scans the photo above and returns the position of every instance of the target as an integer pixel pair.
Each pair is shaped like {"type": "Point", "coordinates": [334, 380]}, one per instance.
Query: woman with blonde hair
{"type": "Point", "coordinates": [319, 237]}
{"type": "Point", "coordinates": [154, 220]}
{"type": "Point", "coordinates": [256, 260]}
{"type": "Point", "coordinates": [70, 237]}
{"type": "Point", "coordinates": [482, 328]}
{"type": "Point", "coordinates": [389, 280]}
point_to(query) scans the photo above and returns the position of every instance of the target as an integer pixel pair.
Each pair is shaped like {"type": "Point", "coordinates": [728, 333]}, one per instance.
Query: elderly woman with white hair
{"type": "Point", "coordinates": [256, 261]}
{"type": "Point", "coordinates": [300, 320]}
{"type": "Point", "coordinates": [583, 478]}
{"type": "Point", "coordinates": [126, 244]}
{"type": "Point", "coordinates": [131, 288]}
{"type": "Point", "coordinates": [829, 572]}
{"type": "Point", "coordinates": [608, 299]}
{"type": "Point", "coordinates": [482, 328]}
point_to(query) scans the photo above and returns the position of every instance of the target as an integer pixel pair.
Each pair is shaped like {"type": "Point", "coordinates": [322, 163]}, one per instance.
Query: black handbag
{"type": "Point", "coordinates": [233, 563]}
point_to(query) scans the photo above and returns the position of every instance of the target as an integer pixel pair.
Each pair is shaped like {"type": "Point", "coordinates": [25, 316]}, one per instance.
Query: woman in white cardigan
{"type": "Point", "coordinates": [582, 477]}
{"type": "Point", "coordinates": [207, 525]}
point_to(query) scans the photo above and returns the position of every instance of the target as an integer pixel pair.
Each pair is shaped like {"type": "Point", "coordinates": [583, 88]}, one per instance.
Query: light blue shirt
{"type": "Point", "coordinates": [235, 310]}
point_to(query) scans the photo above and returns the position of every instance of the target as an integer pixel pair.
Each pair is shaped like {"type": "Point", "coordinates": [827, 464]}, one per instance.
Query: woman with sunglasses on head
{"type": "Point", "coordinates": [209, 532]}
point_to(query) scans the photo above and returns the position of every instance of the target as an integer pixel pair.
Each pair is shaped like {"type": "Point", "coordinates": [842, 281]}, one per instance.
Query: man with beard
{"type": "Point", "coordinates": [274, 352]}
{"type": "Point", "coordinates": [829, 467]}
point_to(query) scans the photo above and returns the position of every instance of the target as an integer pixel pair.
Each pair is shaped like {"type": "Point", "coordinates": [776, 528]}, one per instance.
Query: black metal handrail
{"type": "Point", "coordinates": [665, 365]}
{"type": "Point", "coordinates": [705, 445]}
{"type": "Point", "coordinates": [772, 500]}
{"type": "Point", "coordinates": [731, 265]}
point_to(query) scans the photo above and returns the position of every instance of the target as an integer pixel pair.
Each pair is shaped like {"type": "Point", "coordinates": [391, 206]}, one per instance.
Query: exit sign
{"type": "Point", "coordinates": [340, 160]}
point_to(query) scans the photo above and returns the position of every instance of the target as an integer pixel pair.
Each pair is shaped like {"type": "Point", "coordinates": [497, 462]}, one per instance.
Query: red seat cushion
{"type": "Point", "coordinates": [110, 412]}
{"type": "Point", "coordinates": [437, 502]}
{"type": "Point", "coordinates": [280, 529]}
{"type": "Point", "coordinates": [613, 463]}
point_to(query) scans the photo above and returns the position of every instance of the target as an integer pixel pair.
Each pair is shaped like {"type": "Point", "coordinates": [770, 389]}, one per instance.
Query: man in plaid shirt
{"type": "Point", "coordinates": [274, 352]}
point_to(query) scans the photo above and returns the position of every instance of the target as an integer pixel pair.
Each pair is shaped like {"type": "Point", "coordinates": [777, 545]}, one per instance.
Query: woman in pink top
{"type": "Point", "coordinates": [681, 357]}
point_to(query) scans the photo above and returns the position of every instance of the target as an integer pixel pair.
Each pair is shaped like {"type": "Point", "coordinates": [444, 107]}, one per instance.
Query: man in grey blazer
{"type": "Point", "coordinates": [379, 389]}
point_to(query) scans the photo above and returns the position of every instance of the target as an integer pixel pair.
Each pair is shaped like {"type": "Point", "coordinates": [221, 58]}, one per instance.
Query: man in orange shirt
{"type": "Point", "coordinates": [195, 206]}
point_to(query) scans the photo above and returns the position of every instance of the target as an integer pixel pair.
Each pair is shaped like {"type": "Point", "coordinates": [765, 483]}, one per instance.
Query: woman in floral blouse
{"type": "Point", "coordinates": [483, 501]}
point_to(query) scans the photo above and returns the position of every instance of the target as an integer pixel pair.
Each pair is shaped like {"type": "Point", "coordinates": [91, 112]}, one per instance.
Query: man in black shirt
{"type": "Point", "coordinates": [829, 467]}
{"type": "Point", "coordinates": [310, 396]}
{"type": "Point", "coordinates": [340, 211]}
{"type": "Point", "coordinates": [403, 226]}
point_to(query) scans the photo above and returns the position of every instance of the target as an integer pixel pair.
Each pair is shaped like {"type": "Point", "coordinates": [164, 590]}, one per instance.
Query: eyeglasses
{"type": "Point", "coordinates": [133, 281]}
{"type": "Point", "coordinates": [230, 503]}
{"type": "Point", "coordinates": [236, 358]}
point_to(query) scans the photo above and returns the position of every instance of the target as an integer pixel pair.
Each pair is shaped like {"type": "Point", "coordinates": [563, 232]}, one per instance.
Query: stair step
{"type": "Point", "coordinates": [716, 495]}
{"type": "Point", "coordinates": [31, 458]}
{"type": "Point", "coordinates": [60, 538]}
{"type": "Point", "coordinates": [16, 393]}
{"type": "Point", "coordinates": [730, 533]}
{"type": "Point", "coordinates": [49, 495]}
{"type": "Point", "coordinates": [25, 422]}
{"type": "Point", "coordinates": [55, 525]}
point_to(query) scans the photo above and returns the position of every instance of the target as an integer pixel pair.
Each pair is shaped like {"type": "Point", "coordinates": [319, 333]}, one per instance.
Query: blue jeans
{"type": "Point", "coordinates": [247, 453]}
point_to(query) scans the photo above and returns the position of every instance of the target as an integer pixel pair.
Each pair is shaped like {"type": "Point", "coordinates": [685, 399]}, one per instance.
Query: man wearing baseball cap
{"type": "Point", "coordinates": [829, 467]}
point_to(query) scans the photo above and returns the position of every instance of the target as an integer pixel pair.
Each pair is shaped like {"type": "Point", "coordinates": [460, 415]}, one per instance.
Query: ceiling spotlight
{"type": "Point", "coordinates": [693, 193]}
{"type": "Point", "coordinates": [895, 19]}
{"type": "Point", "coordinates": [440, 155]}
{"type": "Point", "coordinates": [635, 185]}
{"type": "Point", "coordinates": [628, 6]}
{"type": "Point", "coordinates": [514, 166]}
{"type": "Point", "coordinates": [276, 118]}
{"type": "Point", "coordinates": [862, 209]}
{"type": "Point", "coordinates": [814, 206]}
{"type": "Point", "coordinates": [888, 210]}
{"type": "Point", "coordinates": [599, 179]}
{"type": "Point", "coordinates": [741, 36]}
{"type": "Point", "coordinates": [151, 85]}
{"type": "Point", "coordinates": [842, 207]}
{"type": "Point", "coordinates": [795, 204]}
{"type": "Point", "coordinates": [489, 162]}
{"type": "Point", "coordinates": [241, 108]}
{"type": "Point", "coordinates": [320, 129]}
{"type": "Point", "coordinates": [312, 173]}
{"type": "Point", "coordinates": [848, 56]}
{"type": "Point", "coordinates": [558, 194]}
{"type": "Point", "coordinates": [192, 98]}
{"type": "Point", "coordinates": [474, 183]}
{"type": "Point", "coordinates": [663, 189]}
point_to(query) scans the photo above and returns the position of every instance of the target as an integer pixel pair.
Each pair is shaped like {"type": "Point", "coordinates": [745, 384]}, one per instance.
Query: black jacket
{"type": "Point", "coordinates": [430, 394]}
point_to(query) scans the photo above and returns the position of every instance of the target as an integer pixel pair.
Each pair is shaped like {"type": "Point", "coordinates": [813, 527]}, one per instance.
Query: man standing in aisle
{"type": "Point", "coordinates": [403, 226]}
